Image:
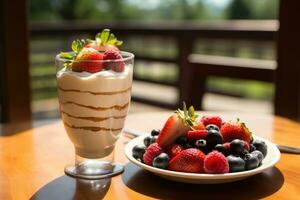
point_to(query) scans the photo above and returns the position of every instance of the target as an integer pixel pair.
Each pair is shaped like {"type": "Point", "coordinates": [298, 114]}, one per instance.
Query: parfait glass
{"type": "Point", "coordinates": [93, 108]}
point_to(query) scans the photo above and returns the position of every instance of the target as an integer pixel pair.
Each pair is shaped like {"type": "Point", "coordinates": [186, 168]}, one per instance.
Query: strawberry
{"type": "Point", "coordinates": [104, 41]}
{"type": "Point", "coordinates": [112, 55]}
{"type": "Point", "coordinates": [195, 135]}
{"type": "Point", "coordinates": [216, 120]}
{"type": "Point", "coordinates": [246, 146]}
{"type": "Point", "coordinates": [176, 125]}
{"type": "Point", "coordinates": [235, 130]}
{"type": "Point", "coordinates": [88, 60]}
{"type": "Point", "coordinates": [100, 47]}
{"type": "Point", "coordinates": [199, 126]}
{"type": "Point", "coordinates": [173, 150]}
{"type": "Point", "coordinates": [151, 152]}
{"type": "Point", "coordinates": [216, 163]}
{"type": "Point", "coordinates": [189, 160]}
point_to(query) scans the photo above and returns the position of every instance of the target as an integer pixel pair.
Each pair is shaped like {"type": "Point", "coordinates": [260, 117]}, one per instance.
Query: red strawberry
{"type": "Point", "coordinates": [173, 150]}
{"type": "Point", "coordinates": [199, 126]}
{"type": "Point", "coordinates": [100, 47]}
{"type": "Point", "coordinates": [151, 152]}
{"type": "Point", "coordinates": [88, 60]}
{"type": "Point", "coordinates": [196, 135]}
{"type": "Point", "coordinates": [235, 130]}
{"type": "Point", "coordinates": [189, 160]}
{"type": "Point", "coordinates": [176, 125]}
{"type": "Point", "coordinates": [216, 163]}
{"type": "Point", "coordinates": [112, 55]}
{"type": "Point", "coordinates": [216, 120]}
{"type": "Point", "coordinates": [104, 41]}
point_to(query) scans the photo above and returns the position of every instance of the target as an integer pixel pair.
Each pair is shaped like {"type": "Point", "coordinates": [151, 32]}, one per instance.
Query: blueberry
{"type": "Point", "coordinates": [213, 138]}
{"type": "Point", "coordinates": [259, 155]}
{"type": "Point", "coordinates": [236, 163]}
{"type": "Point", "coordinates": [252, 148]}
{"type": "Point", "coordinates": [155, 132]}
{"type": "Point", "coordinates": [187, 146]}
{"type": "Point", "coordinates": [161, 161]}
{"type": "Point", "coordinates": [182, 140]}
{"type": "Point", "coordinates": [201, 145]}
{"type": "Point", "coordinates": [149, 140]}
{"type": "Point", "coordinates": [251, 161]}
{"type": "Point", "coordinates": [237, 147]}
{"type": "Point", "coordinates": [212, 127]}
{"type": "Point", "coordinates": [261, 146]}
{"type": "Point", "coordinates": [222, 149]}
{"type": "Point", "coordinates": [138, 151]}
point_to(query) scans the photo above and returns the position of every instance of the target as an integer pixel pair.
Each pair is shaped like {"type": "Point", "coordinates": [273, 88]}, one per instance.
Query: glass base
{"type": "Point", "coordinates": [94, 169]}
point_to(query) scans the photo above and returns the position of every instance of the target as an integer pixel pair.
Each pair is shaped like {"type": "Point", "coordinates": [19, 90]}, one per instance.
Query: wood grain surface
{"type": "Point", "coordinates": [32, 163]}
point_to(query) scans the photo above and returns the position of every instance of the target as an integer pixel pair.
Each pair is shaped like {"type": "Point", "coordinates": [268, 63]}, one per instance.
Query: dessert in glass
{"type": "Point", "coordinates": [94, 90]}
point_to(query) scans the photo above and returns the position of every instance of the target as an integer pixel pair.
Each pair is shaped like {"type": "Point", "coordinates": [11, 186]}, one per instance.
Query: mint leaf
{"type": "Point", "coordinates": [77, 45]}
{"type": "Point", "coordinates": [66, 55]}
{"type": "Point", "coordinates": [105, 36]}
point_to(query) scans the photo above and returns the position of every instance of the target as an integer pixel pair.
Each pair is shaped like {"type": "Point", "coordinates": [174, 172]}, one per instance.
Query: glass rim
{"type": "Point", "coordinates": [129, 56]}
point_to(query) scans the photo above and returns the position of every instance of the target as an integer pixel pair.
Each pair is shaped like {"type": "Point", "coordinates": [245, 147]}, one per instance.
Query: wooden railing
{"type": "Point", "coordinates": [193, 69]}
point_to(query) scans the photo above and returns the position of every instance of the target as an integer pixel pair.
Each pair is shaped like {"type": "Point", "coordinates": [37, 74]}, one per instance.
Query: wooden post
{"type": "Point", "coordinates": [191, 87]}
{"type": "Point", "coordinates": [14, 62]}
{"type": "Point", "coordinates": [287, 97]}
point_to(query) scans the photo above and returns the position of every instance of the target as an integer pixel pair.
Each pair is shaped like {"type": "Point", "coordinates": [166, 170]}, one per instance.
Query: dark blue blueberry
{"type": "Point", "coordinates": [149, 140]}
{"type": "Point", "coordinates": [182, 140]}
{"type": "Point", "coordinates": [236, 163]}
{"type": "Point", "coordinates": [251, 161]}
{"type": "Point", "coordinates": [237, 147]}
{"type": "Point", "coordinates": [259, 155]}
{"type": "Point", "coordinates": [252, 148]}
{"type": "Point", "coordinates": [213, 138]}
{"type": "Point", "coordinates": [155, 132]}
{"type": "Point", "coordinates": [138, 151]}
{"type": "Point", "coordinates": [212, 127]}
{"type": "Point", "coordinates": [201, 145]}
{"type": "Point", "coordinates": [222, 149]}
{"type": "Point", "coordinates": [161, 161]}
{"type": "Point", "coordinates": [261, 146]}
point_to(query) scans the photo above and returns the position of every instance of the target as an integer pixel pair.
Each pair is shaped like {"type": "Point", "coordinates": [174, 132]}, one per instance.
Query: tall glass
{"type": "Point", "coordinates": [93, 108]}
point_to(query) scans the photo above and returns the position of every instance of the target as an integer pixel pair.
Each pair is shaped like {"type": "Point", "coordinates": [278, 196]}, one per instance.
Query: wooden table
{"type": "Point", "coordinates": [32, 162]}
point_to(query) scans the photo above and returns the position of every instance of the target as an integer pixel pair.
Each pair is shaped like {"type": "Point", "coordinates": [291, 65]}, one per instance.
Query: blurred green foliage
{"type": "Point", "coordinates": [152, 10]}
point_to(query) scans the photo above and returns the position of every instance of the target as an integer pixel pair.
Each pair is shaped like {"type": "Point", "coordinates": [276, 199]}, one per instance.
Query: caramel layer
{"type": "Point", "coordinates": [94, 119]}
{"type": "Point", "coordinates": [92, 128]}
{"type": "Point", "coordinates": [117, 107]}
{"type": "Point", "coordinates": [95, 93]}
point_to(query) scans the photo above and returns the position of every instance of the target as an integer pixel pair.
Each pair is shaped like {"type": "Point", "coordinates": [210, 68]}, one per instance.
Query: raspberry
{"type": "Point", "coordinates": [216, 120]}
{"type": "Point", "coordinates": [246, 146]}
{"type": "Point", "coordinates": [173, 150]}
{"type": "Point", "coordinates": [227, 146]}
{"type": "Point", "coordinates": [196, 135]}
{"type": "Point", "coordinates": [216, 163]}
{"type": "Point", "coordinates": [151, 152]}
{"type": "Point", "coordinates": [112, 54]}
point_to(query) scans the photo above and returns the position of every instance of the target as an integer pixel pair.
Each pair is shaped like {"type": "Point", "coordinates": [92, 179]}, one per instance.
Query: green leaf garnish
{"type": "Point", "coordinates": [106, 37]}
{"type": "Point", "coordinates": [77, 45]}
{"type": "Point", "coordinates": [66, 55]}
{"type": "Point", "coordinates": [188, 117]}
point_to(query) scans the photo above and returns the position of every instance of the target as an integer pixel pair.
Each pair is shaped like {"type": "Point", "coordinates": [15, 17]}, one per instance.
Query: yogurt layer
{"type": "Point", "coordinates": [93, 108]}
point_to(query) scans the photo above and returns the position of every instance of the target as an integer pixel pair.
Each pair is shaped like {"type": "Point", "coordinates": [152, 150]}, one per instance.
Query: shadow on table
{"type": "Point", "coordinates": [255, 187]}
{"type": "Point", "coordinates": [67, 188]}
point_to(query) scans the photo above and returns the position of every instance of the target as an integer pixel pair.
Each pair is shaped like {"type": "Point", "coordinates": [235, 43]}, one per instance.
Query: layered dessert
{"type": "Point", "coordinates": [94, 89]}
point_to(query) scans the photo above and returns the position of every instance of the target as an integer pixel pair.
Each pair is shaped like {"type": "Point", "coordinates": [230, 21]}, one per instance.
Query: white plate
{"type": "Point", "coordinates": [270, 160]}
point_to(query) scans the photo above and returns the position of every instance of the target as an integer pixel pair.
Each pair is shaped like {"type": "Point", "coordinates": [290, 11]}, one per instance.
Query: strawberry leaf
{"type": "Point", "coordinates": [77, 45]}
{"type": "Point", "coordinates": [66, 55]}
{"type": "Point", "coordinates": [104, 36]}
